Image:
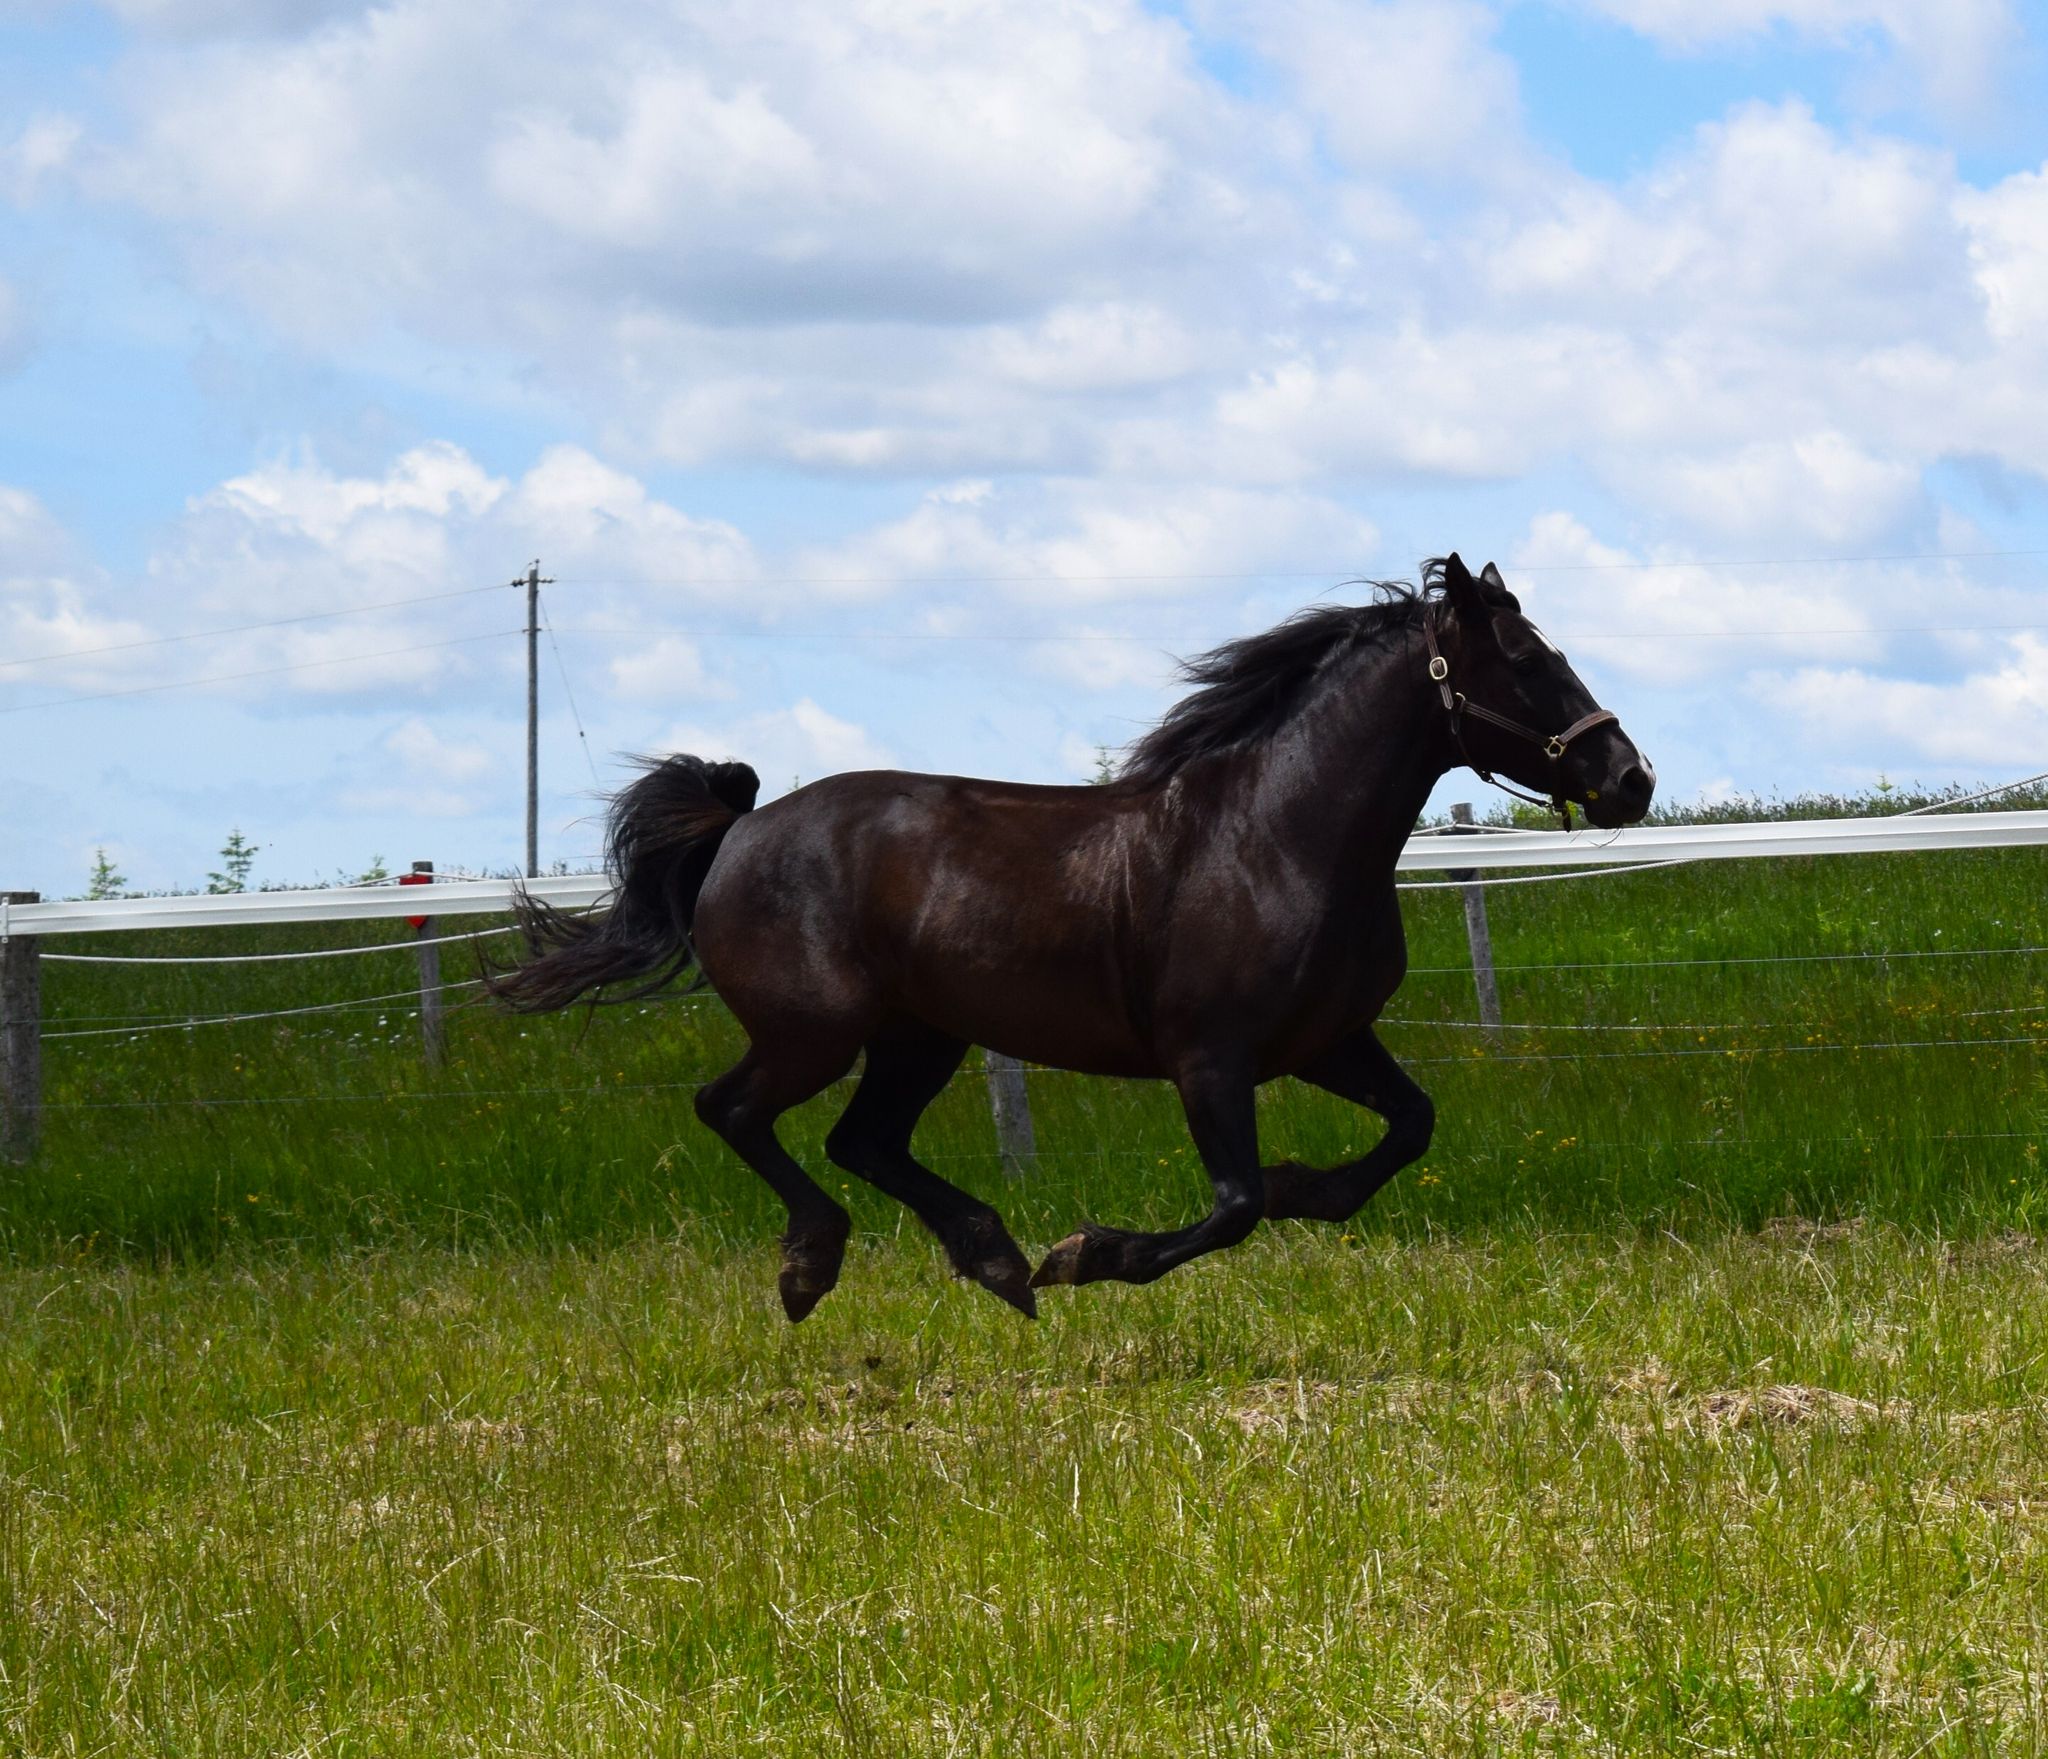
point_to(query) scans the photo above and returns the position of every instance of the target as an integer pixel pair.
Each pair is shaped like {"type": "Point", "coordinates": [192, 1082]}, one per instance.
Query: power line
{"type": "Point", "coordinates": [1054, 635]}
{"type": "Point", "coordinates": [1050, 578]}
{"type": "Point", "coordinates": [121, 647]}
{"type": "Point", "coordinates": [261, 672]}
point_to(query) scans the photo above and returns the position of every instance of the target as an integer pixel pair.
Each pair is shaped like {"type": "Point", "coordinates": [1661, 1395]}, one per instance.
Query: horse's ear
{"type": "Point", "coordinates": [1467, 596]}
{"type": "Point", "coordinates": [1496, 590]}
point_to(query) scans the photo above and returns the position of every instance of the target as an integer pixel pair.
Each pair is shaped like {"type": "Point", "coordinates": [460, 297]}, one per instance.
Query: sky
{"type": "Point", "coordinates": [907, 382]}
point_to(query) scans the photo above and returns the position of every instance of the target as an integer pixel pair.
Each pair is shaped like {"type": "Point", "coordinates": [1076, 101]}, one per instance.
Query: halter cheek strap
{"type": "Point", "coordinates": [1554, 745]}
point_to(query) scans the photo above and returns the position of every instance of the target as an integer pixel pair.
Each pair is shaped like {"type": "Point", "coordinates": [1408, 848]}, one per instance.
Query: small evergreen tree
{"type": "Point", "coordinates": [106, 880]}
{"type": "Point", "coordinates": [237, 856]}
{"type": "Point", "coordinates": [1105, 770]}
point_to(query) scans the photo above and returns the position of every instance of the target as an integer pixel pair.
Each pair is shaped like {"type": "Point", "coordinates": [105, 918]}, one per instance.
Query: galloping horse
{"type": "Point", "coordinates": [1221, 914]}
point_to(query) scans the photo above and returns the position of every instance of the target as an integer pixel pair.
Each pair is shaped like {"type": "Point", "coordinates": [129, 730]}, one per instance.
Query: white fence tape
{"type": "Point", "coordinates": [335, 904]}
{"type": "Point", "coordinates": [1424, 853]}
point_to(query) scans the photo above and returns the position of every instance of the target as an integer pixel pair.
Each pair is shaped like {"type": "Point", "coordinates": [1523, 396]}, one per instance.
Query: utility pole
{"type": "Point", "coordinates": [533, 584]}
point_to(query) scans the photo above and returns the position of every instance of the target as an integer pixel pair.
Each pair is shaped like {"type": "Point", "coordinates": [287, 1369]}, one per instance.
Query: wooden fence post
{"type": "Point", "coordinates": [433, 1034]}
{"type": "Point", "coordinates": [1477, 933]}
{"type": "Point", "coordinates": [1012, 1107]}
{"type": "Point", "coordinates": [21, 1038]}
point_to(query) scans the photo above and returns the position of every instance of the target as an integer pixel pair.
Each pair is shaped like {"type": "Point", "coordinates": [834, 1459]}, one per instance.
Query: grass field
{"type": "Point", "coordinates": [1690, 1396]}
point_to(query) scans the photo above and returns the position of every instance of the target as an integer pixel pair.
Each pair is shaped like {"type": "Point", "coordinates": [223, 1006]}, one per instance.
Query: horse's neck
{"type": "Point", "coordinates": [1345, 780]}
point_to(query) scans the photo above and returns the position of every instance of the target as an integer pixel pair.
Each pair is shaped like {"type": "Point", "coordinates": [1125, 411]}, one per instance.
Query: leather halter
{"type": "Point", "coordinates": [1458, 707]}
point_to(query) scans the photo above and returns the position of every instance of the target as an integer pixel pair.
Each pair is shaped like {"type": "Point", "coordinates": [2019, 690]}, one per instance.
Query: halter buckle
{"type": "Point", "coordinates": [1554, 749]}
{"type": "Point", "coordinates": [1439, 667]}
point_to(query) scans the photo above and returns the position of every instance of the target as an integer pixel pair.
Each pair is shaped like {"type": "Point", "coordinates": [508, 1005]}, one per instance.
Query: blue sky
{"type": "Point", "coordinates": [904, 384]}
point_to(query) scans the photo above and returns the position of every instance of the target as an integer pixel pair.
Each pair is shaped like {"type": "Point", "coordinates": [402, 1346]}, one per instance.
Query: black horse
{"type": "Point", "coordinates": [1222, 914]}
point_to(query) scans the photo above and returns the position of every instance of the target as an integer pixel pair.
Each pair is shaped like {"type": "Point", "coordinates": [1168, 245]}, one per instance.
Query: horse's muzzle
{"type": "Point", "coordinates": [1624, 798]}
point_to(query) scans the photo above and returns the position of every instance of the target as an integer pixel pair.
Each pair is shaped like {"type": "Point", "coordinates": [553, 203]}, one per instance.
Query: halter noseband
{"type": "Point", "coordinates": [1458, 707]}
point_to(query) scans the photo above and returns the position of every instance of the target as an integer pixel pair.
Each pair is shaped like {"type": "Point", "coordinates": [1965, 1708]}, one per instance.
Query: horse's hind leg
{"type": "Point", "coordinates": [1361, 1069]}
{"type": "Point", "coordinates": [742, 1106]}
{"type": "Point", "coordinates": [906, 1068]}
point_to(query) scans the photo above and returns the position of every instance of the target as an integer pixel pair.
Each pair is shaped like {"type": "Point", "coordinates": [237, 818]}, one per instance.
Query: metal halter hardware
{"type": "Point", "coordinates": [1457, 706]}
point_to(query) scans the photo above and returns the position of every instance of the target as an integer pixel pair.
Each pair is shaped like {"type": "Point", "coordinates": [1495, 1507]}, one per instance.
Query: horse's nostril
{"type": "Point", "coordinates": [1637, 784]}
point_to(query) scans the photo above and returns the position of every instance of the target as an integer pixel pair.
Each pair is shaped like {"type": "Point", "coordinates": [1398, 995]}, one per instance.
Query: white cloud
{"type": "Point", "coordinates": [1110, 346]}
{"type": "Point", "coordinates": [14, 327]}
{"type": "Point", "coordinates": [48, 607]}
{"type": "Point", "coordinates": [439, 777]}
{"type": "Point", "coordinates": [1706, 632]}
{"type": "Point", "coordinates": [592, 517]}
{"type": "Point", "coordinates": [1076, 542]}
{"type": "Point", "coordinates": [1765, 221]}
{"type": "Point", "coordinates": [1955, 48]}
{"type": "Point", "coordinates": [202, 18]}
{"type": "Point", "coordinates": [422, 547]}
{"type": "Point", "coordinates": [801, 742]}
{"type": "Point", "coordinates": [2008, 231]}
{"type": "Point", "coordinates": [670, 669]}
{"type": "Point", "coordinates": [1662, 622]}
{"type": "Point", "coordinates": [39, 153]}
{"type": "Point", "coordinates": [1821, 487]}
{"type": "Point", "coordinates": [714, 161]}
{"type": "Point", "coordinates": [302, 498]}
{"type": "Point", "coordinates": [425, 753]}
{"type": "Point", "coordinates": [1400, 85]}
{"type": "Point", "coordinates": [1105, 659]}
{"type": "Point", "coordinates": [1996, 718]}
{"type": "Point", "coordinates": [725, 236]}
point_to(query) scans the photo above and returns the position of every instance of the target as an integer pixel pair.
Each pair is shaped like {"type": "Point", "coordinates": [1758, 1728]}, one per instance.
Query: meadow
{"type": "Point", "coordinates": [1688, 1397]}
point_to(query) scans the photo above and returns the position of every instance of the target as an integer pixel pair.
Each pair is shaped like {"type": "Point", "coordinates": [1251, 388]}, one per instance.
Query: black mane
{"type": "Point", "coordinates": [1250, 687]}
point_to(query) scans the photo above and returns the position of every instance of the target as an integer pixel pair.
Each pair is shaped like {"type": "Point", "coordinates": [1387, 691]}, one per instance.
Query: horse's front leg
{"type": "Point", "coordinates": [1361, 1069]}
{"type": "Point", "coordinates": [1217, 1097]}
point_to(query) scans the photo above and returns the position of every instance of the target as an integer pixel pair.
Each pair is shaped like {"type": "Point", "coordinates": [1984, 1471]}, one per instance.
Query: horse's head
{"type": "Point", "coordinates": [1516, 706]}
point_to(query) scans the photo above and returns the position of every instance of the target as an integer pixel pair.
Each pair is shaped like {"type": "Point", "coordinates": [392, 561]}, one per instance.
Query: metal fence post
{"type": "Point", "coordinates": [1477, 932]}
{"type": "Point", "coordinates": [433, 1034]}
{"type": "Point", "coordinates": [21, 1036]}
{"type": "Point", "coordinates": [1012, 1107]}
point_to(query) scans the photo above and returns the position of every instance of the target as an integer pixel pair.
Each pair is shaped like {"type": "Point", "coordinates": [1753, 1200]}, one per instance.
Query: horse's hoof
{"type": "Point", "coordinates": [802, 1289]}
{"type": "Point", "coordinates": [1011, 1279]}
{"type": "Point", "coordinates": [811, 1262]}
{"type": "Point", "coordinates": [982, 1252]}
{"type": "Point", "coordinates": [1063, 1263]}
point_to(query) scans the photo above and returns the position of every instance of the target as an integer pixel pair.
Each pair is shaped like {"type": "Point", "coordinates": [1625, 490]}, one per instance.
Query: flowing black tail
{"type": "Point", "coordinates": [663, 832]}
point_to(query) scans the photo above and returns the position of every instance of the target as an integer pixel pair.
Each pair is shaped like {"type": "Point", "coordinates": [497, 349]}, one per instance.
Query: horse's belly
{"type": "Point", "coordinates": [1038, 1018]}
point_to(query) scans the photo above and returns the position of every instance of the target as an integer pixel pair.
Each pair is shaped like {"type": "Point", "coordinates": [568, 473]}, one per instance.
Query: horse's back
{"type": "Point", "coordinates": [992, 910]}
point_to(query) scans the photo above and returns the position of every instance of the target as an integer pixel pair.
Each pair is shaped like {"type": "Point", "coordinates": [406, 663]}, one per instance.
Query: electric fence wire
{"type": "Point", "coordinates": [267, 958]}
{"type": "Point", "coordinates": [596, 1090]}
{"type": "Point", "coordinates": [186, 1025]}
{"type": "Point", "coordinates": [1736, 959]}
{"type": "Point", "coordinates": [1672, 1026]}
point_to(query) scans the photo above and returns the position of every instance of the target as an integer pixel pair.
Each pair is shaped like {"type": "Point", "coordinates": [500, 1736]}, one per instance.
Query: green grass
{"type": "Point", "coordinates": [1677, 1403]}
